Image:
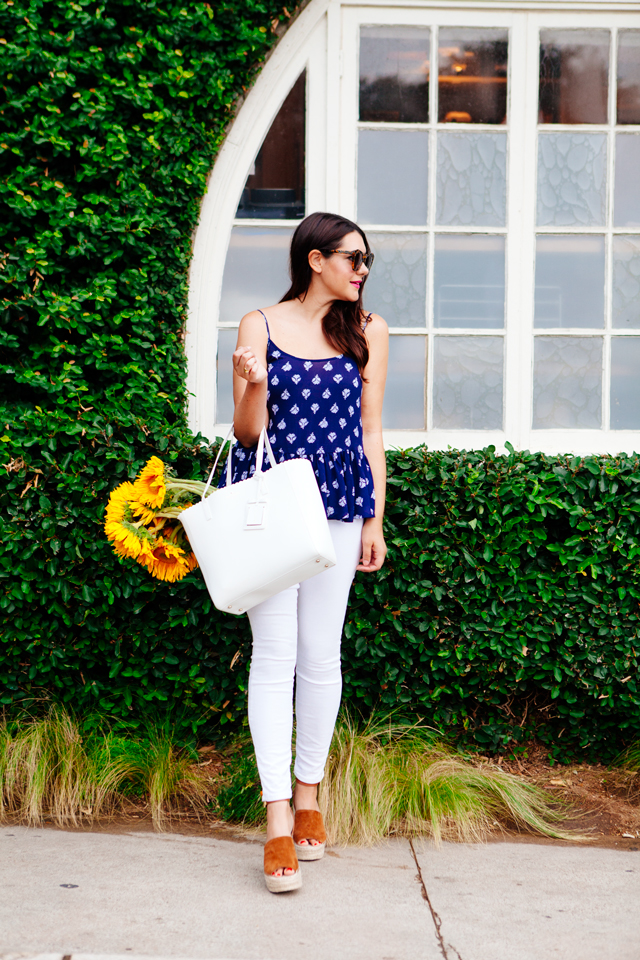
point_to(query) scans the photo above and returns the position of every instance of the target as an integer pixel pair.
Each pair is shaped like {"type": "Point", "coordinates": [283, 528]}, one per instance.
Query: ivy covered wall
{"type": "Point", "coordinates": [510, 602]}
{"type": "Point", "coordinates": [111, 117]}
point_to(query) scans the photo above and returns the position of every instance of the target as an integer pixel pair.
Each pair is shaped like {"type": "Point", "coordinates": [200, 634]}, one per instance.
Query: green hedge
{"type": "Point", "coordinates": [510, 600]}
{"type": "Point", "coordinates": [509, 606]}
{"type": "Point", "coordinates": [112, 114]}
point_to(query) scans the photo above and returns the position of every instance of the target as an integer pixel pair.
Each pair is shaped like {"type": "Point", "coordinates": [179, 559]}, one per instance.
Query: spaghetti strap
{"type": "Point", "coordinates": [267, 323]}
{"type": "Point", "coordinates": [364, 325]}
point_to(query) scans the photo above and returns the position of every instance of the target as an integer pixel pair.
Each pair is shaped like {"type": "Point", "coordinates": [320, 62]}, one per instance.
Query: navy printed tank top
{"type": "Point", "coordinates": [314, 413]}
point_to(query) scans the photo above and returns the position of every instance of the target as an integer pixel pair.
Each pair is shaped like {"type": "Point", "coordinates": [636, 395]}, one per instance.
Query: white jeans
{"type": "Point", "coordinates": [297, 633]}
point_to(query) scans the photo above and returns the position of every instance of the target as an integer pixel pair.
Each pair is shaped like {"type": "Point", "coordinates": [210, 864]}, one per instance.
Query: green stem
{"type": "Point", "coordinates": [191, 486]}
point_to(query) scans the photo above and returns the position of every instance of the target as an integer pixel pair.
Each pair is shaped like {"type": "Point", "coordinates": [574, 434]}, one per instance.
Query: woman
{"type": "Point", "coordinates": [327, 410]}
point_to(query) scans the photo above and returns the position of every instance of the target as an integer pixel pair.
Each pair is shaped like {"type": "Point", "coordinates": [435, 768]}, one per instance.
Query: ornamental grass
{"type": "Point", "coordinates": [386, 778]}
{"type": "Point", "coordinates": [383, 778]}
{"type": "Point", "coordinates": [389, 778]}
{"type": "Point", "coordinates": [50, 771]}
{"type": "Point", "coordinates": [629, 759]}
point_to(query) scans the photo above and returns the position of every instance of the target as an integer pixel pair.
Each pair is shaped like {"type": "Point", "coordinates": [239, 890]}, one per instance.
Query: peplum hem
{"type": "Point", "coordinates": [344, 478]}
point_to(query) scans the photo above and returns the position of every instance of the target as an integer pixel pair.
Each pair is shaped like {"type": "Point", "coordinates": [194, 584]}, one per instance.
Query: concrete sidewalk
{"type": "Point", "coordinates": [71, 895]}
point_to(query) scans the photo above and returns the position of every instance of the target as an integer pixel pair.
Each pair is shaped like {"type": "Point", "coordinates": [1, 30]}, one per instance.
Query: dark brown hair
{"type": "Point", "coordinates": [342, 324]}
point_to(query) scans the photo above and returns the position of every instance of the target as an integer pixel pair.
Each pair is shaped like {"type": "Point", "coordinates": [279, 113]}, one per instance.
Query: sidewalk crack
{"type": "Point", "coordinates": [437, 921]}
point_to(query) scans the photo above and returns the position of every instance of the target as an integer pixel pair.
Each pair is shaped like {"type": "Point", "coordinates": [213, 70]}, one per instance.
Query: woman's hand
{"type": "Point", "coordinates": [374, 549]}
{"type": "Point", "coordinates": [247, 366]}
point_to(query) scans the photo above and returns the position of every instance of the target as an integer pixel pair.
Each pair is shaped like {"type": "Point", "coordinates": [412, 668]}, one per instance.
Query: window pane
{"type": "Point", "coordinates": [471, 182]}
{"type": "Point", "coordinates": [224, 375]}
{"type": "Point", "coordinates": [569, 281]}
{"type": "Point", "coordinates": [567, 382]}
{"type": "Point", "coordinates": [255, 273]}
{"type": "Point", "coordinates": [574, 76]}
{"type": "Point", "coordinates": [392, 176]}
{"type": "Point", "coordinates": [468, 281]}
{"type": "Point", "coordinates": [629, 76]}
{"type": "Point", "coordinates": [467, 383]}
{"type": "Point", "coordinates": [403, 407]}
{"type": "Point", "coordinates": [572, 179]}
{"type": "Point", "coordinates": [396, 288]}
{"type": "Point", "coordinates": [394, 74]}
{"type": "Point", "coordinates": [472, 76]}
{"type": "Point", "coordinates": [625, 383]}
{"type": "Point", "coordinates": [275, 187]}
{"type": "Point", "coordinates": [626, 283]}
{"type": "Point", "coordinates": [627, 186]}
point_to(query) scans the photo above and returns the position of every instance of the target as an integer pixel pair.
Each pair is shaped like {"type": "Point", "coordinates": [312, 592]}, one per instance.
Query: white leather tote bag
{"type": "Point", "coordinates": [257, 537]}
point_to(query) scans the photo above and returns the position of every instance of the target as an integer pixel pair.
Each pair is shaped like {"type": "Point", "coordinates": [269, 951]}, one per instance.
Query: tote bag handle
{"type": "Point", "coordinates": [262, 442]}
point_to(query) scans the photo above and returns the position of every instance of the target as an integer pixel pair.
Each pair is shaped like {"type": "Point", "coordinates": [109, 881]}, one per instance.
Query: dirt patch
{"type": "Point", "coordinates": [601, 802]}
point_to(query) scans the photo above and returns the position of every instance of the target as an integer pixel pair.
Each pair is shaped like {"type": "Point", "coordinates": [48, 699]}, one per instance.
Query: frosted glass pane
{"type": "Point", "coordinates": [394, 74]}
{"type": "Point", "coordinates": [467, 383]}
{"type": "Point", "coordinates": [224, 375]}
{"type": "Point", "coordinates": [396, 288]}
{"type": "Point", "coordinates": [627, 186]}
{"type": "Point", "coordinates": [392, 176]}
{"type": "Point", "coordinates": [574, 76]}
{"type": "Point", "coordinates": [626, 282]}
{"type": "Point", "coordinates": [472, 75]}
{"type": "Point", "coordinates": [468, 281]}
{"type": "Point", "coordinates": [403, 407]}
{"type": "Point", "coordinates": [471, 181]}
{"type": "Point", "coordinates": [567, 382]}
{"type": "Point", "coordinates": [629, 76]}
{"type": "Point", "coordinates": [256, 271]}
{"type": "Point", "coordinates": [572, 173]}
{"type": "Point", "coordinates": [625, 383]}
{"type": "Point", "coordinates": [569, 281]}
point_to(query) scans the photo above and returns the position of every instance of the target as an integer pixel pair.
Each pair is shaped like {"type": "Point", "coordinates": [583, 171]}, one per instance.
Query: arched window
{"type": "Point", "coordinates": [492, 156]}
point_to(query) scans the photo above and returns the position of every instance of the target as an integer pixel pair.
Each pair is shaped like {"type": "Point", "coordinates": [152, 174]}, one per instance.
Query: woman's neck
{"type": "Point", "coordinates": [313, 308]}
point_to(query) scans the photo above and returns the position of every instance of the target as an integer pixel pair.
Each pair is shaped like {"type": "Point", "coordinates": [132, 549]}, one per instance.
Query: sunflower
{"type": "Point", "coordinates": [144, 513]}
{"type": "Point", "coordinates": [118, 500]}
{"type": "Point", "coordinates": [149, 485]}
{"type": "Point", "coordinates": [168, 561]}
{"type": "Point", "coordinates": [127, 541]}
{"type": "Point", "coordinates": [137, 531]}
{"type": "Point", "coordinates": [137, 549]}
{"type": "Point", "coordinates": [126, 538]}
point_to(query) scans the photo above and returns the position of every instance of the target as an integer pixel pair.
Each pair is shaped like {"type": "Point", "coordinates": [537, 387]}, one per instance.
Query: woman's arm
{"type": "Point", "coordinates": [250, 380]}
{"type": "Point", "coordinates": [374, 548]}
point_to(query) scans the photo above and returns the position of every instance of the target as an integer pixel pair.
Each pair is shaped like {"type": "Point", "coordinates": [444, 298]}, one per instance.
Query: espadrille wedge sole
{"type": "Point", "coordinates": [280, 853]}
{"type": "Point", "coordinates": [308, 825]}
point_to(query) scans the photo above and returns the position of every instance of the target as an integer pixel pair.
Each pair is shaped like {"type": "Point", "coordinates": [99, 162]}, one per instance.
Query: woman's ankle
{"type": "Point", "coordinates": [278, 818]}
{"type": "Point", "coordinates": [305, 796]}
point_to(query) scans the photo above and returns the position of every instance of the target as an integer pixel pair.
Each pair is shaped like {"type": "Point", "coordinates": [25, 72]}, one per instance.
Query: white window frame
{"type": "Point", "coordinates": [304, 46]}
{"type": "Point", "coordinates": [324, 40]}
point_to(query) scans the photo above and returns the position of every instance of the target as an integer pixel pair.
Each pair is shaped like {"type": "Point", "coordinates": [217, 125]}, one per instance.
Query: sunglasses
{"type": "Point", "coordinates": [357, 258]}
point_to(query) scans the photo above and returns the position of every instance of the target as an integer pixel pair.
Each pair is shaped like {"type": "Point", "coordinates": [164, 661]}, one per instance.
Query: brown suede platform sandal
{"type": "Point", "coordinates": [280, 853]}
{"type": "Point", "coordinates": [308, 825]}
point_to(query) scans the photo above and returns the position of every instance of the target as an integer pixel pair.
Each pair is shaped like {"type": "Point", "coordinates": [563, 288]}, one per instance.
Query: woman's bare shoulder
{"type": "Point", "coordinates": [376, 328]}
{"type": "Point", "coordinates": [253, 323]}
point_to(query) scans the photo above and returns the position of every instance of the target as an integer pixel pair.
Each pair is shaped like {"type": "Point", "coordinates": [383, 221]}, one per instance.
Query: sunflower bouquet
{"type": "Point", "coordinates": [141, 521]}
